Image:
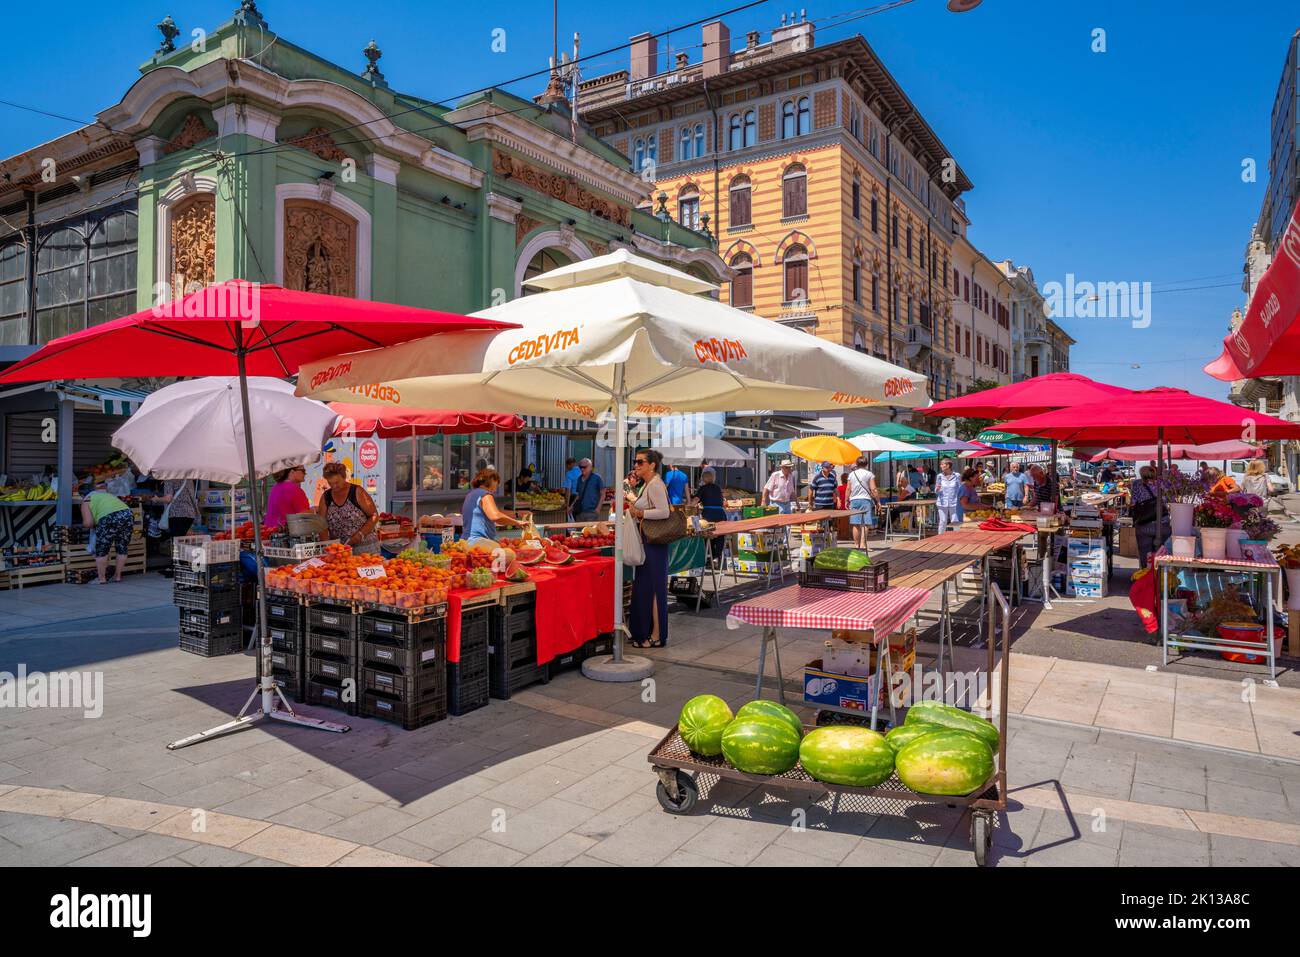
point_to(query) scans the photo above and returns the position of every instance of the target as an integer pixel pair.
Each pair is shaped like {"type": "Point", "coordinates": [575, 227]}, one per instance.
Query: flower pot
{"type": "Point", "coordinates": [1235, 535]}
{"type": "Point", "coordinates": [1293, 583]}
{"type": "Point", "coordinates": [1180, 518]}
{"type": "Point", "coordinates": [1255, 550]}
{"type": "Point", "coordinates": [1184, 546]}
{"type": "Point", "coordinates": [1214, 543]}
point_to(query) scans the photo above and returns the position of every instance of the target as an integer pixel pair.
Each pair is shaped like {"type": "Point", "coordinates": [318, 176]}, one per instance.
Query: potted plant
{"type": "Point", "coordinates": [1245, 506]}
{"type": "Point", "coordinates": [1288, 556]}
{"type": "Point", "coordinates": [1181, 492]}
{"type": "Point", "coordinates": [1214, 516]}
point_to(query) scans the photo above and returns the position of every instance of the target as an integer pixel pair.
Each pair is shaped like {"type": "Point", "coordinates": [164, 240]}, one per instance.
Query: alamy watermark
{"type": "Point", "coordinates": [1076, 299]}
{"type": "Point", "coordinates": [56, 689]}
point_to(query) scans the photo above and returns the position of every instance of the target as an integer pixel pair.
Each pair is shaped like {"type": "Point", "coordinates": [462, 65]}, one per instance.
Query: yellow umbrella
{"type": "Point", "coordinates": [826, 448]}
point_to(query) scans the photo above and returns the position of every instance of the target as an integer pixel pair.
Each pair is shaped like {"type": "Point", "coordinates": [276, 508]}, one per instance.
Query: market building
{"type": "Point", "coordinates": [834, 202]}
{"type": "Point", "coordinates": [1031, 341]}
{"type": "Point", "coordinates": [981, 296]}
{"type": "Point", "coordinates": [246, 156]}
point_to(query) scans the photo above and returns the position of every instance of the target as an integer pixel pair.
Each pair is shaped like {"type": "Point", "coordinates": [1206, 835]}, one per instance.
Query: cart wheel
{"type": "Point", "coordinates": [687, 795]}
{"type": "Point", "coordinates": [981, 837]}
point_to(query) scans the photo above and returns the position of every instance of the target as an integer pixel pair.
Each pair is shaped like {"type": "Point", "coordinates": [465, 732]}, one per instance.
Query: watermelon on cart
{"type": "Point", "coordinates": [761, 744]}
{"type": "Point", "coordinates": [772, 709]}
{"type": "Point", "coordinates": [843, 754]}
{"type": "Point", "coordinates": [946, 762]}
{"type": "Point", "coordinates": [702, 721]}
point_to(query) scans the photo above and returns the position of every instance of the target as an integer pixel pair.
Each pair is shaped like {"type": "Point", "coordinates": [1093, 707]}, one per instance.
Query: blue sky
{"type": "Point", "coordinates": [1117, 166]}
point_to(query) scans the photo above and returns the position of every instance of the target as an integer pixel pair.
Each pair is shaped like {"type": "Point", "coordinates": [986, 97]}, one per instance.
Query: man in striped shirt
{"type": "Point", "coordinates": [821, 490]}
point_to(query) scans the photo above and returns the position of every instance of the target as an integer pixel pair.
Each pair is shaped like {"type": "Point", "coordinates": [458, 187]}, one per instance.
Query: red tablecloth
{"type": "Point", "coordinates": [575, 603]}
{"type": "Point", "coordinates": [797, 607]}
{"type": "Point", "coordinates": [455, 601]}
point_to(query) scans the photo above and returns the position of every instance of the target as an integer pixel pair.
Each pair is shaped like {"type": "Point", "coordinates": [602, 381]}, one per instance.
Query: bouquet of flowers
{"type": "Point", "coordinates": [1258, 526]}
{"type": "Point", "coordinates": [1177, 486]}
{"type": "Point", "coordinates": [1215, 512]}
{"type": "Point", "coordinates": [1288, 556]}
{"type": "Point", "coordinates": [1244, 504]}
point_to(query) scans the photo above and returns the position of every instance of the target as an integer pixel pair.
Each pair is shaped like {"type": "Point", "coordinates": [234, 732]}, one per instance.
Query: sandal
{"type": "Point", "coordinates": [647, 643]}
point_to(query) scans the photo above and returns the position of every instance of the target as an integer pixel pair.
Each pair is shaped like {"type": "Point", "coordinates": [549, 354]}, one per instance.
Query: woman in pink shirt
{"type": "Point", "coordinates": [287, 497]}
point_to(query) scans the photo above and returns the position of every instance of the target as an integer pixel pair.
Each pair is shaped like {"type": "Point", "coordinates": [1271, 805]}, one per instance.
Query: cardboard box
{"type": "Point", "coordinates": [1128, 543]}
{"type": "Point", "coordinates": [758, 541]}
{"type": "Point", "coordinates": [822, 687]}
{"type": "Point", "coordinates": [1087, 589]}
{"type": "Point", "coordinates": [758, 511]}
{"type": "Point", "coordinates": [757, 568]}
{"type": "Point", "coordinates": [750, 556]}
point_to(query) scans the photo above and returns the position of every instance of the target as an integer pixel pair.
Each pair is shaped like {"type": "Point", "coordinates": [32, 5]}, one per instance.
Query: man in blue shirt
{"type": "Point", "coordinates": [821, 490]}
{"type": "Point", "coordinates": [571, 475]}
{"type": "Point", "coordinates": [1017, 484]}
{"type": "Point", "coordinates": [587, 493]}
{"type": "Point", "coordinates": [676, 482]}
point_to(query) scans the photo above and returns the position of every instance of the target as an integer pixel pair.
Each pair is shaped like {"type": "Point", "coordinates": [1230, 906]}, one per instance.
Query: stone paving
{"type": "Point", "coordinates": [556, 776]}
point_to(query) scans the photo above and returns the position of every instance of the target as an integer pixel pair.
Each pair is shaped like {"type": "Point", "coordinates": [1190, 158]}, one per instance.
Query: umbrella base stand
{"type": "Point", "coordinates": [605, 668]}
{"type": "Point", "coordinates": [243, 721]}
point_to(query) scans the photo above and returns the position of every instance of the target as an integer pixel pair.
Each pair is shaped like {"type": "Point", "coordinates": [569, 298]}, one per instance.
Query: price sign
{"type": "Point", "coordinates": [372, 571]}
{"type": "Point", "coordinates": [309, 563]}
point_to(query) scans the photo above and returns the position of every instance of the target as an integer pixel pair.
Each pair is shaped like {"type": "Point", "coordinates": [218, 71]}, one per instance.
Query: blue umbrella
{"type": "Point", "coordinates": [780, 447]}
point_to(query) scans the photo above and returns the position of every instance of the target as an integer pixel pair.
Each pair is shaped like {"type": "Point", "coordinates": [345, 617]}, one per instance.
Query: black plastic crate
{"type": "Point", "coordinates": [223, 577]}
{"type": "Point", "coordinates": [286, 661]}
{"type": "Point", "coordinates": [331, 645]}
{"type": "Point", "coordinates": [393, 654]}
{"type": "Point", "coordinates": [198, 619]}
{"type": "Point", "coordinates": [411, 686]}
{"type": "Point", "coordinates": [503, 684]}
{"type": "Point", "coordinates": [467, 679]}
{"type": "Point", "coordinates": [331, 668]}
{"type": "Point", "coordinates": [407, 632]}
{"type": "Point", "coordinates": [335, 619]}
{"type": "Point", "coordinates": [873, 578]}
{"type": "Point", "coordinates": [410, 715]}
{"type": "Point", "coordinates": [523, 601]}
{"type": "Point", "coordinates": [329, 694]}
{"type": "Point", "coordinates": [287, 639]}
{"type": "Point", "coordinates": [283, 612]}
{"type": "Point", "coordinates": [568, 661]}
{"type": "Point", "coordinates": [212, 644]}
{"type": "Point", "coordinates": [203, 600]}
{"type": "Point", "coordinates": [600, 645]}
{"type": "Point", "coordinates": [290, 683]}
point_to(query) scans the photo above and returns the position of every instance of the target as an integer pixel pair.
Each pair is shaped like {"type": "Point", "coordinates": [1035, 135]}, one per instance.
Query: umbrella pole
{"type": "Point", "coordinates": [415, 475]}
{"type": "Point", "coordinates": [619, 667]}
{"type": "Point", "coordinates": [261, 635]}
{"type": "Point", "coordinates": [1160, 468]}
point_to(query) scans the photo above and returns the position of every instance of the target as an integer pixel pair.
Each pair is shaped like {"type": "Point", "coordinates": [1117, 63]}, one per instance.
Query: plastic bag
{"type": "Point", "coordinates": [633, 549]}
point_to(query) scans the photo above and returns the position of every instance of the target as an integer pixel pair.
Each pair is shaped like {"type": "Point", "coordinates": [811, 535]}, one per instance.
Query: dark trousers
{"type": "Point", "coordinates": [650, 590]}
{"type": "Point", "coordinates": [178, 527]}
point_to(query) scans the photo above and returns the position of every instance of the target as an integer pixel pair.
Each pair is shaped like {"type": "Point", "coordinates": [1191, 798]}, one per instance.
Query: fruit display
{"type": "Point", "coordinates": [771, 709]}
{"type": "Point", "coordinates": [843, 754]}
{"type": "Point", "coordinates": [946, 762]}
{"type": "Point", "coordinates": [28, 493]}
{"type": "Point", "coordinates": [761, 744]}
{"type": "Point", "coordinates": [243, 533]}
{"type": "Point", "coordinates": [978, 514]}
{"type": "Point", "coordinates": [541, 501]}
{"type": "Point", "coordinates": [947, 716]}
{"type": "Point", "coordinates": [557, 555]}
{"type": "Point", "coordinates": [996, 487]}
{"type": "Point", "coordinates": [842, 559]}
{"type": "Point", "coordinates": [590, 541]}
{"type": "Point", "coordinates": [702, 721]}
{"type": "Point", "coordinates": [903, 735]}
{"type": "Point", "coordinates": [529, 554]}
{"type": "Point", "coordinates": [480, 578]}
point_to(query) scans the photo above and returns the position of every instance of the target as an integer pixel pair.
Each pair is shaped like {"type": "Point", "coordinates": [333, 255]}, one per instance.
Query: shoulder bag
{"type": "Point", "coordinates": [665, 531]}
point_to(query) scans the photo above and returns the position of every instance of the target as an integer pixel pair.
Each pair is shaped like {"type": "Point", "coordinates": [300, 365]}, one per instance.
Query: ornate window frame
{"type": "Point", "coordinates": [182, 188]}
{"type": "Point", "coordinates": [337, 201]}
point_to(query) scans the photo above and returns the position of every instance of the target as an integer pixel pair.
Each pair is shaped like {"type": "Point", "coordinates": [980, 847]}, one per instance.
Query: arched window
{"type": "Point", "coordinates": [805, 115]}
{"type": "Point", "coordinates": [857, 281]}
{"type": "Point", "coordinates": [751, 129]}
{"type": "Point", "coordinates": [652, 149]}
{"type": "Point", "coordinates": [857, 199]}
{"type": "Point", "coordinates": [788, 127]}
{"type": "Point", "coordinates": [699, 139]}
{"type": "Point", "coordinates": [742, 285]}
{"type": "Point", "coordinates": [685, 150]}
{"type": "Point", "coordinates": [688, 208]}
{"type": "Point", "coordinates": [739, 211]}
{"type": "Point", "coordinates": [734, 132]}
{"type": "Point", "coordinates": [543, 262]}
{"type": "Point", "coordinates": [794, 192]}
{"type": "Point", "coordinates": [795, 267]}
{"type": "Point", "coordinates": [638, 155]}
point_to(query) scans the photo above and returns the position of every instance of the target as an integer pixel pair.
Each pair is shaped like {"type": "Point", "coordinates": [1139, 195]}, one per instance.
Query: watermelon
{"type": "Point", "coordinates": [946, 762]}
{"type": "Point", "coordinates": [849, 755]}
{"type": "Point", "coordinates": [905, 734]}
{"type": "Point", "coordinates": [773, 710]}
{"type": "Point", "coordinates": [702, 721]}
{"type": "Point", "coordinates": [947, 716]}
{"type": "Point", "coordinates": [760, 744]}
{"type": "Point", "coordinates": [842, 559]}
{"type": "Point", "coordinates": [528, 554]}
{"type": "Point", "coordinates": [558, 555]}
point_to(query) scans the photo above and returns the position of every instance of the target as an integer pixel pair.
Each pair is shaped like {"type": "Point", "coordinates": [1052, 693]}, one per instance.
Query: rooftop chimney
{"type": "Point", "coordinates": [794, 35]}
{"type": "Point", "coordinates": [751, 39]}
{"type": "Point", "coordinates": [645, 56]}
{"type": "Point", "coordinates": [717, 48]}
{"type": "Point", "coordinates": [683, 61]}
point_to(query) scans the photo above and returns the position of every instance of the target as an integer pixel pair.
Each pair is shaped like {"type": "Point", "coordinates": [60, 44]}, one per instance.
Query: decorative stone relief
{"type": "Point", "coordinates": [193, 131]}
{"type": "Point", "coordinates": [523, 226]}
{"type": "Point", "coordinates": [320, 252]}
{"type": "Point", "coordinates": [318, 140]}
{"type": "Point", "coordinates": [559, 187]}
{"type": "Point", "coordinates": [193, 244]}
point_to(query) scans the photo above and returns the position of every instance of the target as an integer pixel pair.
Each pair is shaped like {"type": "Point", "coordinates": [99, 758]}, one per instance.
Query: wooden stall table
{"type": "Point", "coordinates": [913, 505]}
{"type": "Point", "coordinates": [883, 612]}
{"type": "Point", "coordinates": [932, 563]}
{"type": "Point", "coordinates": [1261, 575]}
{"type": "Point", "coordinates": [826, 517]}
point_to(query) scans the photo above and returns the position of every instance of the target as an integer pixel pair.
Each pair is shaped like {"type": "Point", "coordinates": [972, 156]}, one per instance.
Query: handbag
{"type": "Point", "coordinates": [164, 521]}
{"type": "Point", "coordinates": [1144, 512]}
{"type": "Point", "coordinates": [633, 550]}
{"type": "Point", "coordinates": [665, 531]}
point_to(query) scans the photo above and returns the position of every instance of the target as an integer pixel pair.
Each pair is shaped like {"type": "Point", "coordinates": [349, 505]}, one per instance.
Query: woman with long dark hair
{"type": "Point", "coordinates": [648, 621]}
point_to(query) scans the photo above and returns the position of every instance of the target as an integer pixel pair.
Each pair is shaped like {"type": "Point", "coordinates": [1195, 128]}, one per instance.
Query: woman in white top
{"type": "Point", "coordinates": [947, 485]}
{"type": "Point", "coordinates": [863, 497]}
{"type": "Point", "coordinates": [1255, 481]}
{"type": "Point", "coordinates": [649, 613]}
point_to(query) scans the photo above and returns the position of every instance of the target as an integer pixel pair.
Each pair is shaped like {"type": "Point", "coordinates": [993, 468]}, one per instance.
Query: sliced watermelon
{"type": "Point", "coordinates": [557, 555]}
{"type": "Point", "coordinates": [528, 555]}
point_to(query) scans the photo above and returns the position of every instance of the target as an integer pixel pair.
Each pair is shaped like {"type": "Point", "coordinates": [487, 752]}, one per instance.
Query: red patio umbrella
{"type": "Point", "coordinates": [1215, 451]}
{"type": "Point", "coordinates": [400, 423]}
{"type": "Point", "coordinates": [238, 328]}
{"type": "Point", "coordinates": [1268, 340]}
{"type": "Point", "coordinates": [1056, 390]}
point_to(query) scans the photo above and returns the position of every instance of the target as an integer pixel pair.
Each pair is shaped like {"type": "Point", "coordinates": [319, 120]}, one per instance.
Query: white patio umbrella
{"type": "Point", "coordinates": [705, 448]}
{"type": "Point", "coordinates": [195, 430]}
{"type": "Point", "coordinates": [615, 335]}
{"type": "Point", "coordinates": [870, 442]}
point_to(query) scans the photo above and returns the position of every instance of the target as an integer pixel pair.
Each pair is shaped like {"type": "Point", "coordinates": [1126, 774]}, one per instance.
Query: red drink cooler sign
{"type": "Point", "coordinates": [368, 454]}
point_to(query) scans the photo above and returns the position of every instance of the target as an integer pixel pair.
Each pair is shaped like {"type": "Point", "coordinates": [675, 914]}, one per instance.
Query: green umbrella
{"type": "Point", "coordinates": [895, 430]}
{"type": "Point", "coordinates": [1010, 442]}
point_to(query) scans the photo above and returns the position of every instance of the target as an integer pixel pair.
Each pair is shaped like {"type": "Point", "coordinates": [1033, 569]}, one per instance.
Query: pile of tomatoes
{"type": "Point", "coordinates": [588, 541]}
{"type": "Point", "coordinates": [243, 533]}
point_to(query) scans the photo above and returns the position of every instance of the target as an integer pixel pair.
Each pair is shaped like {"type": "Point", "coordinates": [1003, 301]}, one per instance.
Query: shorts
{"type": "Point", "coordinates": [784, 508]}
{"type": "Point", "coordinates": [113, 531]}
{"type": "Point", "coordinates": [863, 512]}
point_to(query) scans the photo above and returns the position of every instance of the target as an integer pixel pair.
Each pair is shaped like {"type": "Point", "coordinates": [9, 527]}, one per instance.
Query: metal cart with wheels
{"type": "Point", "coordinates": [678, 768]}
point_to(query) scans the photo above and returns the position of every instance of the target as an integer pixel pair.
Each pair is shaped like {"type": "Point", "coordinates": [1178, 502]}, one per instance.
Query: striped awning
{"type": "Point", "coordinates": [107, 400]}
{"type": "Point", "coordinates": [543, 423]}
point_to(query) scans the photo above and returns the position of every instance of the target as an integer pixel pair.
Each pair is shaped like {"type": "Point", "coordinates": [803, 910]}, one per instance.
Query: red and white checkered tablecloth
{"type": "Point", "coordinates": [1165, 557]}
{"type": "Point", "coordinates": [820, 608]}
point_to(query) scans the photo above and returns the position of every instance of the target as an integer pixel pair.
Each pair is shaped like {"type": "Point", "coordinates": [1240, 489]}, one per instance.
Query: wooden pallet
{"type": "Point", "coordinates": [40, 575]}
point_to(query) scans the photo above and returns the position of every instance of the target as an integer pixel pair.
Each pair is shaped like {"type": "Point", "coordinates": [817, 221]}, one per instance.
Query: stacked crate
{"type": "Point", "coordinates": [467, 679]}
{"type": "Point", "coordinates": [211, 620]}
{"type": "Point", "coordinates": [403, 672]}
{"type": "Point", "coordinates": [284, 621]}
{"type": "Point", "coordinates": [512, 653]}
{"type": "Point", "coordinates": [332, 656]}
